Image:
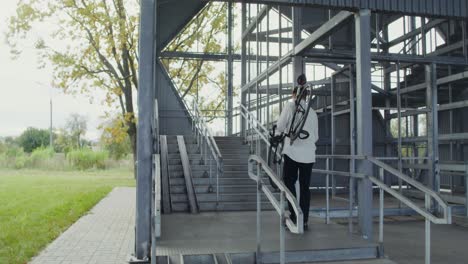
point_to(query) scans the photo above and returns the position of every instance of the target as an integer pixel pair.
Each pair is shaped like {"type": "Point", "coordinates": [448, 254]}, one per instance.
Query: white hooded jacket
{"type": "Point", "coordinates": [302, 150]}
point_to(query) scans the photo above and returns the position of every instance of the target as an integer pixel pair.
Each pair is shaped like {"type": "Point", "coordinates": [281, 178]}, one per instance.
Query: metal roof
{"type": "Point", "coordinates": [444, 8]}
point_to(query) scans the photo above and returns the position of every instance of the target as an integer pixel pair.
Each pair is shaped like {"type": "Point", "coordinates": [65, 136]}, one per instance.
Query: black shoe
{"type": "Point", "coordinates": [306, 227]}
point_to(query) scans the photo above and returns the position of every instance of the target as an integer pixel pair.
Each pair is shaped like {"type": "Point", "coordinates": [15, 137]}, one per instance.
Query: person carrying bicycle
{"type": "Point", "coordinates": [299, 123]}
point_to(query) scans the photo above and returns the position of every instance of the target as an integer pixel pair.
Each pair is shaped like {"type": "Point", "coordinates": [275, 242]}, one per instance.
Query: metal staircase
{"type": "Point", "coordinates": [237, 192]}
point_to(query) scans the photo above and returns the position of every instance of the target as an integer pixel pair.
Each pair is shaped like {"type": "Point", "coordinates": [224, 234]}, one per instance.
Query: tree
{"type": "Point", "coordinates": [113, 140]}
{"type": "Point", "coordinates": [63, 142]}
{"type": "Point", "coordinates": [34, 138]}
{"type": "Point", "coordinates": [77, 127]}
{"type": "Point", "coordinates": [101, 50]}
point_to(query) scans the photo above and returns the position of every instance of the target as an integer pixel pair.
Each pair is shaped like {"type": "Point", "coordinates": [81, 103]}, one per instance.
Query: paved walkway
{"type": "Point", "coordinates": [105, 235]}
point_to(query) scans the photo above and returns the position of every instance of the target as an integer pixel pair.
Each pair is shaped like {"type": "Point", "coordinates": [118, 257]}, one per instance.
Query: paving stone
{"type": "Point", "coordinates": [104, 235]}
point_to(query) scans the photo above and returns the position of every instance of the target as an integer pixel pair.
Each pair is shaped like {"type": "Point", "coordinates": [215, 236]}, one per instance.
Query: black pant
{"type": "Point", "coordinates": [290, 173]}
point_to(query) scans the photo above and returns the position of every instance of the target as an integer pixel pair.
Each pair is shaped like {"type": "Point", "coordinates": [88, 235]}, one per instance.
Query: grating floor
{"type": "Point", "coordinates": [235, 232]}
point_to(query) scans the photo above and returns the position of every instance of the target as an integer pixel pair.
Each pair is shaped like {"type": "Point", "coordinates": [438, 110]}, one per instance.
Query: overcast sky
{"type": "Point", "coordinates": [25, 91]}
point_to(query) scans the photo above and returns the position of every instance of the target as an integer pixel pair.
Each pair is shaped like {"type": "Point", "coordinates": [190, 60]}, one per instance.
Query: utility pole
{"type": "Point", "coordinates": [51, 125]}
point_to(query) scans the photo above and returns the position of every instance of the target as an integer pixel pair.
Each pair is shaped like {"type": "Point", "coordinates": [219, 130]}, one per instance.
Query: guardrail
{"type": "Point", "coordinates": [156, 186]}
{"type": "Point", "coordinates": [279, 206]}
{"type": "Point", "coordinates": [379, 182]}
{"type": "Point", "coordinates": [156, 206]}
{"type": "Point", "coordinates": [205, 139]}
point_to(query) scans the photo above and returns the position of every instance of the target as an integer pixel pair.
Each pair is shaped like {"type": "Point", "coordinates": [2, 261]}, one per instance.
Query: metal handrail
{"type": "Point", "coordinates": [294, 227]}
{"type": "Point", "coordinates": [382, 166]}
{"type": "Point", "coordinates": [156, 186]}
{"type": "Point", "coordinates": [379, 182]}
{"type": "Point", "coordinates": [279, 206]}
{"type": "Point", "coordinates": [252, 118]}
{"type": "Point", "coordinates": [207, 139]}
{"type": "Point", "coordinates": [447, 219]}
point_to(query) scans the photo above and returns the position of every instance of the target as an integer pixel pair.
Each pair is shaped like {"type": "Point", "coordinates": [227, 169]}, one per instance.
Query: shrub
{"type": "Point", "coordinates": [13, 157]}
{"type": "Point", "coordinates": [14, 152]}
{"type": "Point", "coordinates": [20, 162]}
{"type": "Point", "coordinates": [41, 157]}
{"type": "Point", "coordinates": [84, 159]}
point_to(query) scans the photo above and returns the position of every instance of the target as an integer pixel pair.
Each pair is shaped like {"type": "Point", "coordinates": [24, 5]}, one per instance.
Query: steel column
{"type": "Point", "coordinates": [147, 49]}
{"type": "Point", "coordinates": [364, 118]}
{"type": "Point", "coordinates": [352, 140]}
{"type": "Point", "coordinates": [400, 146]}
{"type": "Point", "coordinates": [268, 66]}
{"type": "Point", "coordinates": [229, 72]}
{"type": "Point", "coordinates": [433, 127]}
{"type": "Point", "coordinates": [280, 71]}
{"type": "Point", "coordinates": [297, 28]}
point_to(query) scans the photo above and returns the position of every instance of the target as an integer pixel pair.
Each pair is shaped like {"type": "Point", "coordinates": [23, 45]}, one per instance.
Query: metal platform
{"type": "Point", "coordinates": [235, 232]}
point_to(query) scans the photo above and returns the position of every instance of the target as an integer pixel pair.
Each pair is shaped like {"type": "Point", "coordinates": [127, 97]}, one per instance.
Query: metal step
{"type": "Point", "coordinates": [232, 206]}
{"type": "Point", "coordinates": [233, 189]}
{"type": "Point", "coordinates": [188, 140]}
{"type": "Point", "coordinates": [181, 207]}
{"type": "Point", "coordinates": [223, 197]}
{"type": "Point", "coordinates": [197, 167]}
{"type": "Point", "coordinates": [236, 161]}
{"type": "Point", "coordinates": [222, 181]}
{"type": "Point", "coordinates": [195, 174]}
{"type": "Point", "coordinates": [235, 151]}
{"type": "Point", "coordinates": [193, 161]}
{"type": "Point", "coordinates": [191, 148]}
{"type": "Point", "coordinates": [237, 156]}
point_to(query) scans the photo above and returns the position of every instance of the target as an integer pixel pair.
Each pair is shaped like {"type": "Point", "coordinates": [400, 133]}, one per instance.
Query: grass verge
{"type": "Point", "coordinates": [36, 206]}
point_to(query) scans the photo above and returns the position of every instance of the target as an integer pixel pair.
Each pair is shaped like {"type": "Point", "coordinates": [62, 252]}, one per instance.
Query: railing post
{"type": "Point", "coordinates": [282, 230]}
{"type": "Point", "coordinates": [211, 177]}
{"type": "Point", "coordinates": [259, 210]}
{"type": "Point", "coordinates": [327, 211]}
{"type": "Point", "coordinates": [466, 188]}
{"type": "Point", "coordinates": [351, 204]}
{"type": "Point", "coordinates": [206, 142]}
{"type": "Point", "coordinates": [218, 171]}
{"type": "Point", "coordinates": [427, 254]}
{"type": "Point", "coordinates": [381, 214]}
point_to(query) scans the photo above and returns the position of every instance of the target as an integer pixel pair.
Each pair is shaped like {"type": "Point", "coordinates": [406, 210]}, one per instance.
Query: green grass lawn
{"type": "Point", "coordinates": [36, 206]}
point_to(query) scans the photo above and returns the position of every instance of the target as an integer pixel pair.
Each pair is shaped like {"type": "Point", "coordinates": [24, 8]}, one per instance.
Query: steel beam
{"type": "Point", "coordinates": [147, 48]}
{"type": "Point", "coordinates": [250, 27]}
{"type": "Point", "coordinates": [324, 56]}
{"type": "Point", "coordinates": [443, 8]}
{"type": "Point", "coordinates": [441, 81]}
{"type": "Point", "coordinates": [442, 137]}
{"type": "Point", "coordinates": [431, 24]}
{"type": "Point", "coordinates": [455, 105]}
{"type": "Point", "coordinates": [323, 31]}
{"type": "Point", "coordinates": [263, 38]}
{"type": "Point", "coordinates": [348, 56]}
{"type": "Point", "coordinates": [364, 118]}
